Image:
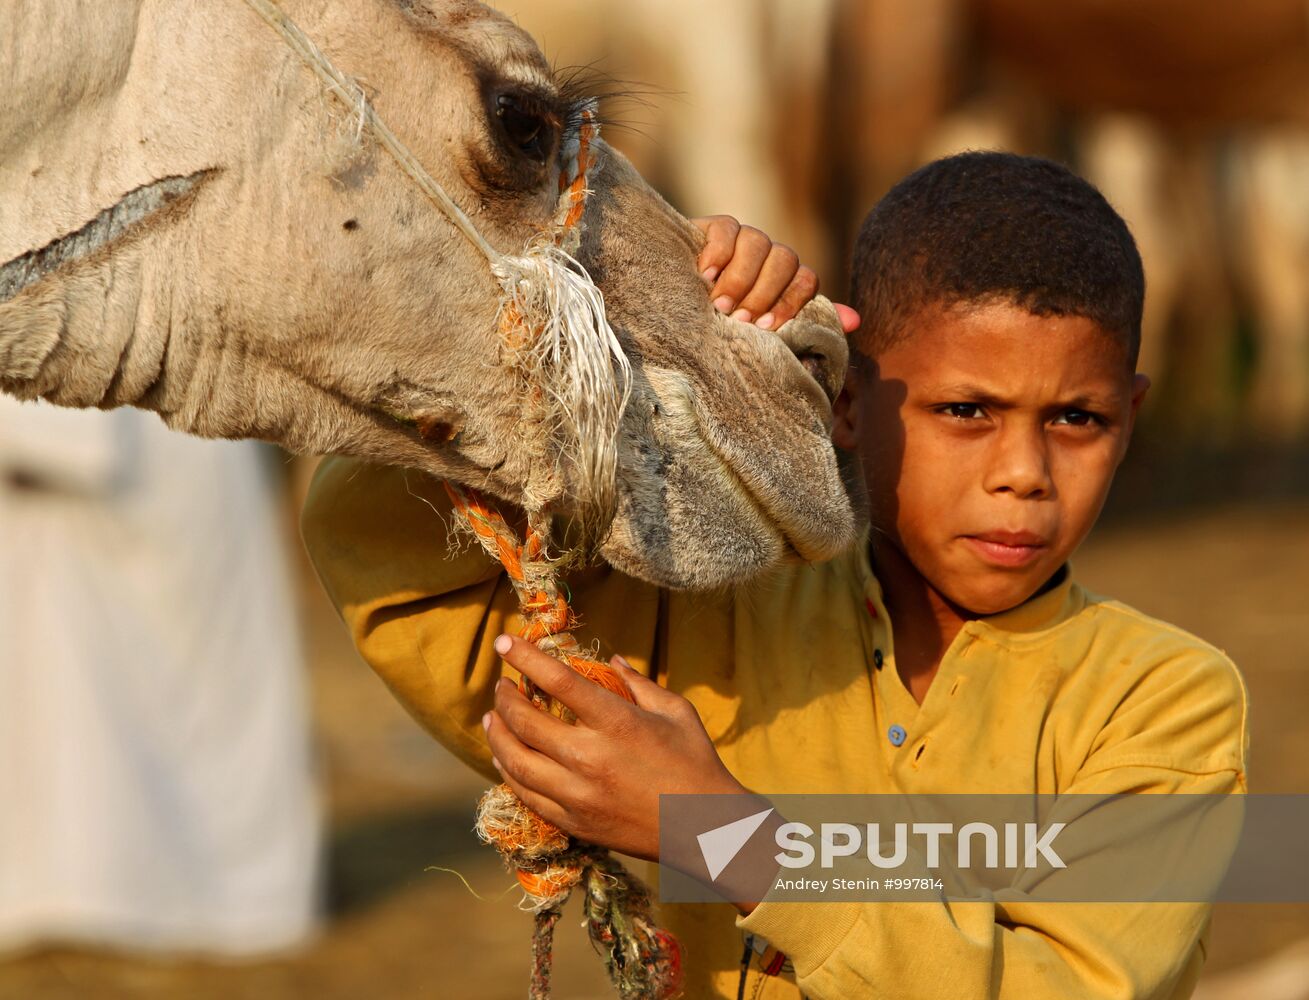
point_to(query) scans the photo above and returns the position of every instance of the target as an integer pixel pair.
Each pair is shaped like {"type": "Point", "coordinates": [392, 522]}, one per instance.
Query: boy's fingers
{"type": "Point", "coordinates": [544, 806]}
{"type": "Point", "coordinates": [539, 730]}
{"type": "Point", "coordinates": [653, 697]}
{"type": "Point", "coordinates": [647, 693]}
{"type": "Point", "coordinates": [720, 243]}
{"type": "Point", "coordinates": [524, 768]}
{"type": "Point", "coordinates": [589, 702]}
{"type": "Point", "coordinates": [779, 270]}
{"type": "Point", "coordinates": [849, 318]}
{"type": "Point", "coordinates": [740, 274]}
{"type": "Point", "coordinates": [541, 804]}
{"type": "Point", "coordinates": [802, 288]}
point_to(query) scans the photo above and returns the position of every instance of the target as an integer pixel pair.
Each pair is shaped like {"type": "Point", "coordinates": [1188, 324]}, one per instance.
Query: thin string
{"type": "Point", "coordinates": [354, 98]}
{"type": "Point", "coordinates": [560, 334]}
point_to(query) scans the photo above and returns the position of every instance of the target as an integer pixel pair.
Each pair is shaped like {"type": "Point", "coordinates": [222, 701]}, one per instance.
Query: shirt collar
{"type": "Point", "coordinates": [1044, 610]}
{"type": "Point", "coordinates": [1060, 600]}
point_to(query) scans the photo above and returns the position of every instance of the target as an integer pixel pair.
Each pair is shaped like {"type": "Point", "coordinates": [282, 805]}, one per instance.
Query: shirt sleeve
{"type": "Point", "coordinates": [420, 613]}
{"type": "Point", "coordinates": [424, 613]}
{"type": "Point", "coordinates": [1014, 947]}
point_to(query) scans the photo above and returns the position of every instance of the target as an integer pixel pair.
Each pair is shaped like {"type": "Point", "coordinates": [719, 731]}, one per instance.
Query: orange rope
{"type": "Point", "coordinates": [642, 959]}
{"type": "Point", "coordinates": [546, 615]}
{"type": "Point", "coordinates": [577, 189]}
{"type": "Point", "coordinates": [548, 621]}
{"type": "Point", "coordinates": [548, 618]}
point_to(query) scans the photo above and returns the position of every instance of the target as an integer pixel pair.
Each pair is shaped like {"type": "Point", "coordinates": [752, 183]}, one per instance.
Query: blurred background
{"type": "Point", "coordinates": [796, 115]}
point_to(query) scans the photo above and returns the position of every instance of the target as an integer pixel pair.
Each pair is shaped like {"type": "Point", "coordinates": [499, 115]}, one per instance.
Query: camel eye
{"type": "Point", "coordinates": [528, 127]}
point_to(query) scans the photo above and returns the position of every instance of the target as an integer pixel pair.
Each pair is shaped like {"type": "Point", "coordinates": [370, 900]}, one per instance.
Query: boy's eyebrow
{"type": "Point", "coordinates": [977, 394]}
{"type": "Point", "coordinates": [973, 393]}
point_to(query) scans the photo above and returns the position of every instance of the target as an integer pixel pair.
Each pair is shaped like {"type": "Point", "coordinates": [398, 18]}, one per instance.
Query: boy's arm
{"type": "Point", "coordinates": [1017, 948]}
{"type": "Point", "coordinates": [424, 618]}
{"type": "Point", "coordinates": [421, 616]}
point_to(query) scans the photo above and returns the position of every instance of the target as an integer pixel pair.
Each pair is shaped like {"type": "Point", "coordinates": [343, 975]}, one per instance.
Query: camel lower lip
{"type": "Point", "coordinates": [1000, 554]}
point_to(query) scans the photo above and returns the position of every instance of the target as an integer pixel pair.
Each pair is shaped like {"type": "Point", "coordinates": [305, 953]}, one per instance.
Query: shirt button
{"type": "Point", "coordinates": [896, 735]}
{"type": "Point", "coordinates": [877, 658]}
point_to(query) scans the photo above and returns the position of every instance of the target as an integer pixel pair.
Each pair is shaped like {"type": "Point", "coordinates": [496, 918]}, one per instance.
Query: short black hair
{"type": "Point", "coordinates": [982, 226]}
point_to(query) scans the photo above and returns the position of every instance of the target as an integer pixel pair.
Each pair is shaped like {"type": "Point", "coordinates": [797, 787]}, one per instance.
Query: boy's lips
{"type": "Point", "coordinates": [1007, 548]}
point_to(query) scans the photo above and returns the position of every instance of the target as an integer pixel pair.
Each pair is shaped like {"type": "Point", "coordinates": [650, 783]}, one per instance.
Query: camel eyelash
{"type": "Point", "coordinates": [578, 86]}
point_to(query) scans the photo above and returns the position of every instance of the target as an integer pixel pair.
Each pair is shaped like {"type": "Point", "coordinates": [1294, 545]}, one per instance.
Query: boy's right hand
{"type": "Point", "coordinates": [754, 279]}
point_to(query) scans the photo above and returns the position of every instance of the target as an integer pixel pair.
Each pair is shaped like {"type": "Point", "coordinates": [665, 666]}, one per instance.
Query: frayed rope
{"type": "Point", "coordinates": [644, 961]}
{"type": "Point", "coordinates": [553, 318]}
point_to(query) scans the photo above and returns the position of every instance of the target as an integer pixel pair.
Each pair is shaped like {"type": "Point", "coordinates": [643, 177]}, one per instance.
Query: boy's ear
{"type": "Point", "coordinates": [1140, 385]}
{"type": "Point", "coordinates": [843, 412]}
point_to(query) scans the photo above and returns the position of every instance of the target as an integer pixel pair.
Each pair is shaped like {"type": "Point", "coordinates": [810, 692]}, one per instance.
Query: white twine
{"type": "Point", "coordinates": [353, 96]}
{"type": "Point", "coordinates": [572, 352]}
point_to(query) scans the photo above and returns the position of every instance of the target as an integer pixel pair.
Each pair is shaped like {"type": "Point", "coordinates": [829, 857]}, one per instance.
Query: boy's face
{"type": "Point", "coordinates": [986, 420]}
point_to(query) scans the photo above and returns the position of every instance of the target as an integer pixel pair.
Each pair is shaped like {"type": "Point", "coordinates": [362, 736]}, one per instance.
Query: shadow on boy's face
{"type": "Point", "coordinates": [988, 420]}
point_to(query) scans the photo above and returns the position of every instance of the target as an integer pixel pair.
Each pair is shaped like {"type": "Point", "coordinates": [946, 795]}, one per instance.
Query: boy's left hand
{"type": "Point", "coordinates": [755, 280]}
{"type": "Point", "coordinates": [600, 779]}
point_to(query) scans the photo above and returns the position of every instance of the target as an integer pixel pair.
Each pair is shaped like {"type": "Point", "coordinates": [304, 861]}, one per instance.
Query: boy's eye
{"type": "Point", "coordinates": [964, 411]}
{"type": "Point", "coordinates": [1080, 418]}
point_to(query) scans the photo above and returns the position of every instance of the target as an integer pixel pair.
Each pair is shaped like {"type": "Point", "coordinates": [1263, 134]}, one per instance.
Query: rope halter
{"type": "Point", "coordinates": [552, 315]}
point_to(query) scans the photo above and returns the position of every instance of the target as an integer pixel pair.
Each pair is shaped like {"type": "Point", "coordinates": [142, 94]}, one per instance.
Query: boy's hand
{"type": "Point", "coordinates": [754, 279]}
{"type": "Point", "coordinates": [601, 778]}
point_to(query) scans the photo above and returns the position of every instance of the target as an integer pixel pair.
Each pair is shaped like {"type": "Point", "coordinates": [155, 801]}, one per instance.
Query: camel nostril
{"type": "Point", "coordinates": [814, 337]}
{"type": "Point", "coordinates": [820, 369]}
{"type": "Point", "coordinates": [813, 364]}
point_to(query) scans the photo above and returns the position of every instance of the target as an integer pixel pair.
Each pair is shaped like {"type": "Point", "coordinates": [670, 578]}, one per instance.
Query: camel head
{"type": "Point", "coordinates": [191, 223]}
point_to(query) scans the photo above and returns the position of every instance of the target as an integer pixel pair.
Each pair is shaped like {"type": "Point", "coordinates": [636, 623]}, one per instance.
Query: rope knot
{"type": "Point", "coordinates": [644, 961]}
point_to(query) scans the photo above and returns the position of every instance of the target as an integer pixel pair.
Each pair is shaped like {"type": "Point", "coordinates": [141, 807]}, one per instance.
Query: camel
{"type": "Point", "coordinates": [191, 224]}
{"type": "Point", "coordinates": [1194, 65]}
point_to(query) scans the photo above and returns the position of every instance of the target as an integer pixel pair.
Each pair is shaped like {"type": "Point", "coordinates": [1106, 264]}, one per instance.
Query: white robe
{"type": "Point", "coordinates": [156, 787]}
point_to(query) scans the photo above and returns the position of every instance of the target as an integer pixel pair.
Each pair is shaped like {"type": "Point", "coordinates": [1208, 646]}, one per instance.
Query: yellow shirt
{"type": "Point", "coordinates": [1068, 692]}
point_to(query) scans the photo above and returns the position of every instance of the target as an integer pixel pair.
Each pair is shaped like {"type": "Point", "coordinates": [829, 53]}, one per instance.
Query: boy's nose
{"type": "Point", "coordinates": [1020, 464]}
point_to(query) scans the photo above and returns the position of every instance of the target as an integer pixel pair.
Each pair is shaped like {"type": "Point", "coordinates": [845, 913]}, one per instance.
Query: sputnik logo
{"type": "Point", "coordinates": [721, 844]}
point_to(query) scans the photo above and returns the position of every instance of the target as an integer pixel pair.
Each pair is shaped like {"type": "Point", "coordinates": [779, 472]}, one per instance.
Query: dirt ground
{"type": "Point", "coordinates": [398, 806]}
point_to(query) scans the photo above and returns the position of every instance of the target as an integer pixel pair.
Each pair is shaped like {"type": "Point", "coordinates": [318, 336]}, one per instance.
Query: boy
{"type": "Point", "coordinates": [991, 398]}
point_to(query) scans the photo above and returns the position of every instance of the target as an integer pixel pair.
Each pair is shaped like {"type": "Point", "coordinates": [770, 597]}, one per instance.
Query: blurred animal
{"type": "Point", "coordinates": [1191, 117]}
{"type": "Point", "coordinates": [799, 116]}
